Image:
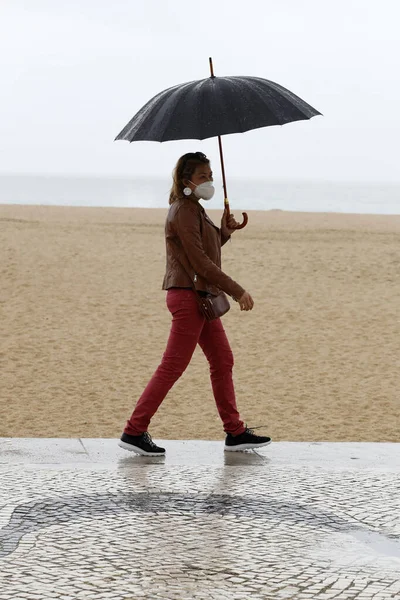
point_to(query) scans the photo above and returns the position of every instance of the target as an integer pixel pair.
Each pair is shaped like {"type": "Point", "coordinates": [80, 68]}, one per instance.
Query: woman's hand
{"type": "Point", "coordinates": [228, 224]}
{"type": "Point", "coordinates": [246, 302]}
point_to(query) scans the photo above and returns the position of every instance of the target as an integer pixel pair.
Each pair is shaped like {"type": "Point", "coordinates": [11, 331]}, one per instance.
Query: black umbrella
{"type": "Point", "coordinates": [213, 107]}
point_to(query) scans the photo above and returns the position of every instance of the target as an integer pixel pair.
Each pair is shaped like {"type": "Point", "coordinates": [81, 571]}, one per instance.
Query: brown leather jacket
{"type": "Point", "coordinates": [192, 236]}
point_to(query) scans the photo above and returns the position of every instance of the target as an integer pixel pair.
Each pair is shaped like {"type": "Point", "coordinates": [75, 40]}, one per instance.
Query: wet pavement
{"type": "Point", "coordinates": [86, 519]}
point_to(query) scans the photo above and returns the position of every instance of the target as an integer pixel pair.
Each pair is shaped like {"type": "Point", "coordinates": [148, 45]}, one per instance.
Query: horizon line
{"type": "Point", "coordinates": [132, 177]}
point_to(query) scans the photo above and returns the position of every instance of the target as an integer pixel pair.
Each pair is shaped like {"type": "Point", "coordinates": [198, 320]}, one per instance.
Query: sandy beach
{"type": "Point", "coordinates": [83, 325]}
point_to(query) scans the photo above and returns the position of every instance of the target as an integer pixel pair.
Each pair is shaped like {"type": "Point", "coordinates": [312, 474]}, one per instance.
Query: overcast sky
{"type": "Point", "coordinates": [74, 72]}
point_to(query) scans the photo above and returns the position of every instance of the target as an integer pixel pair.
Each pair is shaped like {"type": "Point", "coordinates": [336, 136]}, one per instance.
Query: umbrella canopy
{"type": "Point", "coordinates": [213, 107]}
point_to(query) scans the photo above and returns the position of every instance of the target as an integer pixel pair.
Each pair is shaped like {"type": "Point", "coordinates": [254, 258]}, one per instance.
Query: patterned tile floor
{"type": "Point", "coordinates": [84, 519]}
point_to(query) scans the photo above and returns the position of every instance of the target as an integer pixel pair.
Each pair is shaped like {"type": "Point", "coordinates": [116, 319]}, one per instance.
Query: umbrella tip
{"type": "Point", "coordinates": [211, 67]}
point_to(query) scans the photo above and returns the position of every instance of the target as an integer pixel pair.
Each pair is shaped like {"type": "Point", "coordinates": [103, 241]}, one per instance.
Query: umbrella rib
{"type": "Point", "coordinates": [263, 99]}
{"type": "Point", "coordinates": [165, 122]}
{"type": "Point", "coordinates": [230, 104]}
{"type": "Point", "coordinates": [137, 120]}
{"type": "Point", "coordinates": [241, 124]}
{"type": "Point", "coordinates": [292, 98]}
{"type": "Point", "coordinates": [182, 98]}
{"type": "Point", "coordinates": [288, 96]}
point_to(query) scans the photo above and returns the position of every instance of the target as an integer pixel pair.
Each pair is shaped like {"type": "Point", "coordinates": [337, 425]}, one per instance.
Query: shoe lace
{"type": "Point", "coordinates": [147, 438]}
{"type": "Point", "coordinates": [251, 429]}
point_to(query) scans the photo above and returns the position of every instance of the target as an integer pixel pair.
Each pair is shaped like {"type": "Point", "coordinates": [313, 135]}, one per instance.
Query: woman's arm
{"type": "Point", "coordinates": [187, 225]}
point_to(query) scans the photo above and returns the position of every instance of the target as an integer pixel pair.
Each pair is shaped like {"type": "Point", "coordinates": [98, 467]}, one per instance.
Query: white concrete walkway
{"type": "Point", "coordinates": [86, 519]}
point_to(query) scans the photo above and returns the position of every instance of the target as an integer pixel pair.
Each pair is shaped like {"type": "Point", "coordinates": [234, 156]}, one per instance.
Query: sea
{"type": "Point", "coordinates": [246, 194]}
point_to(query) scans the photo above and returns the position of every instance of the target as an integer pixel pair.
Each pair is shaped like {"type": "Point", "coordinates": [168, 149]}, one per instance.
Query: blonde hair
{"type": "Point", "coordinates": [184, 169]}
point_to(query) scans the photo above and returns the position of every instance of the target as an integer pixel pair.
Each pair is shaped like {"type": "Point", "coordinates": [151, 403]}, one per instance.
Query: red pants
{"type": "Point", "coordinates": [188, 329]}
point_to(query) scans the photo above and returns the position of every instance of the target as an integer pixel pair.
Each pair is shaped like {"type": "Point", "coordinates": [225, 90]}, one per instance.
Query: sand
{"type": "Point", "coordinates": [83, 325]}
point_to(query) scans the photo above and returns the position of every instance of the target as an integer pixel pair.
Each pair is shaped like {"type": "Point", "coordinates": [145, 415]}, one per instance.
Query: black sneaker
{"type": "Point", "coordinates": [141, 444]}
{"type": "Point", "coordinates": [245, 441]}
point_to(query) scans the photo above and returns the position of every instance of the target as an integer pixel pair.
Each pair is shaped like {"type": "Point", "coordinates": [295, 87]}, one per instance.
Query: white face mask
{"type": "Point", "coordinates": [205, 190]}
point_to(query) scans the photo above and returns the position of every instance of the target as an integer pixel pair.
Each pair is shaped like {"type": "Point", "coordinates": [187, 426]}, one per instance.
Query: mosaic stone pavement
{"type": "Point", "coordinates": [84, 519]}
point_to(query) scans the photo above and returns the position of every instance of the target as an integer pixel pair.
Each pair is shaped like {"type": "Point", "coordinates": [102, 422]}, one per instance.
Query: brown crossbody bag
{"type": "Point", "coordinates": [212, 307]}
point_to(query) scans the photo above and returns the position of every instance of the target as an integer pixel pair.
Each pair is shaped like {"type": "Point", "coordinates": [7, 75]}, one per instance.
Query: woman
{"type": "Point", "coordinates": [192, 235]}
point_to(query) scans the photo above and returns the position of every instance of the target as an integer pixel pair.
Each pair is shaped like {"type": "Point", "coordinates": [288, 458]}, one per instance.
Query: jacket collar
{"type": "Point", "coordinates": [202, 210]}
{"type": "Point", "coordinates": [205, 215]}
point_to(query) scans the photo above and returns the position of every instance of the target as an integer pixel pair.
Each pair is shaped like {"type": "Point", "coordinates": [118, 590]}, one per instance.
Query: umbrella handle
{"type": "Point", "coordinates": [245, 216]}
